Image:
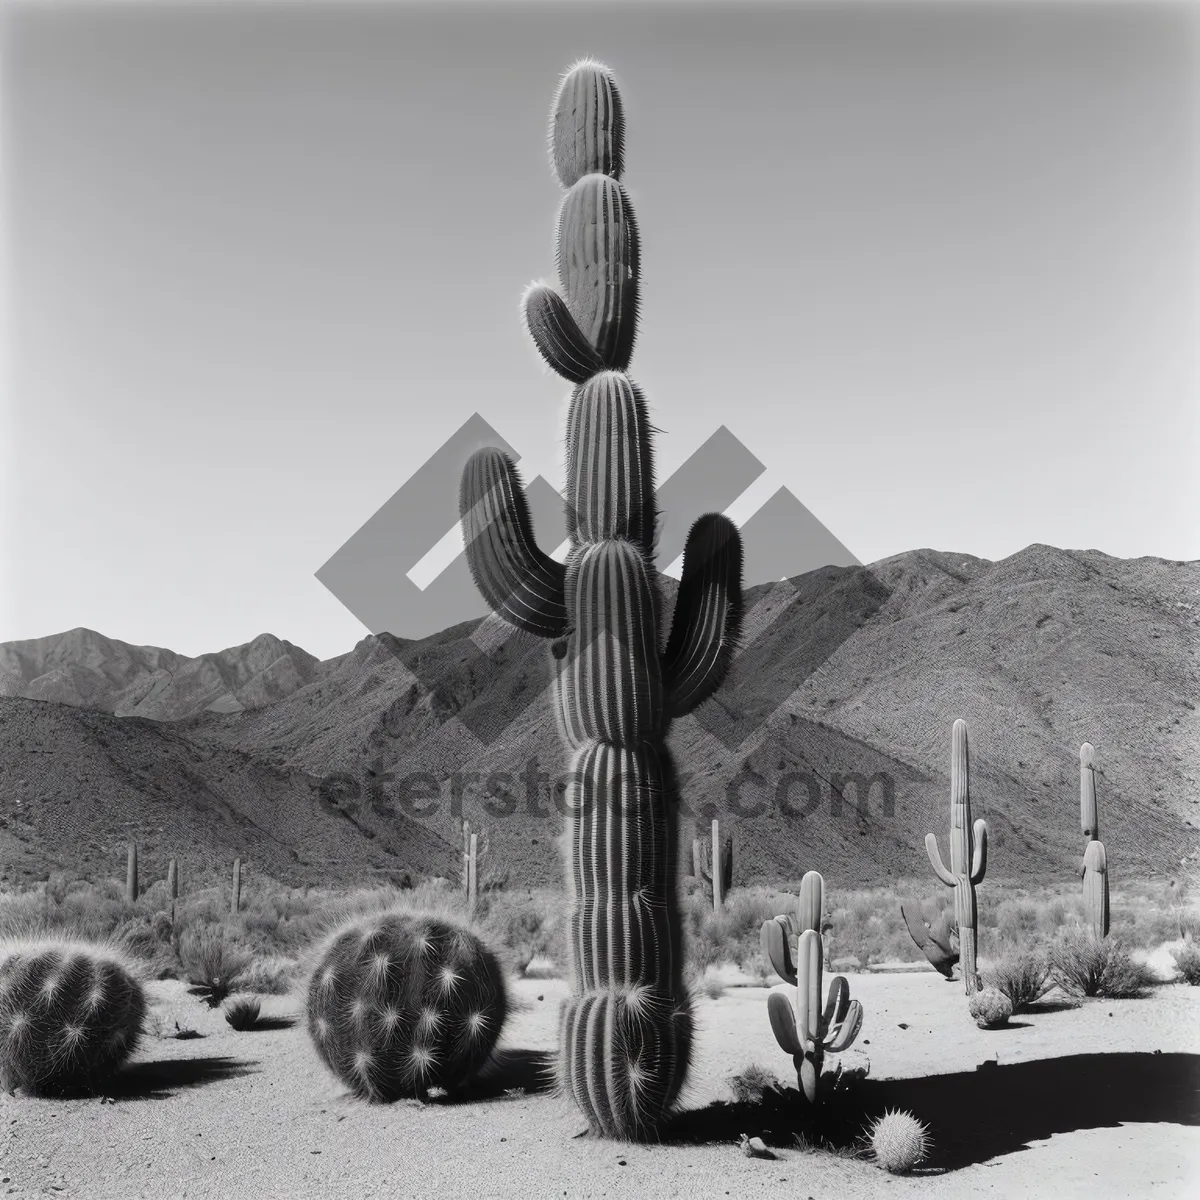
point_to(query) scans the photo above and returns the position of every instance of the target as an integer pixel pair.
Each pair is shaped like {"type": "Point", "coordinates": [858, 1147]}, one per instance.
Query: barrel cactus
{"type": "Point", "coordinates": [403, 1002]}
{"type": "Point", "coordinates": [625, 1031]}
{"type": "Point", "coordinates": [968, 856]}
{"type": "Point", "coordinates": [71, 1013]}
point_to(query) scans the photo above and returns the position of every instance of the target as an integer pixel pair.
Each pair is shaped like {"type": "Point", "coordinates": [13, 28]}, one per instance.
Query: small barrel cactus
{"type": "Point", "coordinates": [990, 1008]}
{"type": "Point", "coordinates": [404, 1002]}
{"type": "Point", "coordinates": [71, 1013]}
{"type": "Point", "coordinates": [899, 1141]}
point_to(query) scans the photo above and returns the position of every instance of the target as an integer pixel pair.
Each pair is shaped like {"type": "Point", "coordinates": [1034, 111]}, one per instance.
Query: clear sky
{"type": "Point", "coordinates": [936, 265]}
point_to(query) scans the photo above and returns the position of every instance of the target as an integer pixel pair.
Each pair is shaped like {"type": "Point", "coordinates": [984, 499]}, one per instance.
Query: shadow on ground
{"type": "Point", "coordinates": [974, 1115]}
{"type": "Point", "coordinates": [272, 1024]}
{"type": "Point", "coordinates": [519, 1071]}
{"type": "Point", "coordinates": [155, 1080]}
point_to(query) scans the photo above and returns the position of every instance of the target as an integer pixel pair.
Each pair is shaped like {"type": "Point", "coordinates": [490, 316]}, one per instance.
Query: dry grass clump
{"type": "Point", "coordinates": [242, 1012]}
{"type": "Point", "coordinates": [213, 965]}
{"type": "Point", "coordinates": [1087, 965]}
{"type": "Point", "coordinates": [1187, 959]}
{"type": "Point", "coordinates": [1022, 974]}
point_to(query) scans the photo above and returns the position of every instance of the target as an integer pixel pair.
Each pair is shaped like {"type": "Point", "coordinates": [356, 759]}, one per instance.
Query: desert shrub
{"type": "Point", "coordinates": [1087, 965]}
{"type": "Point", "coordinates": [751, 1083]}
{"type": "Point", "coordinates": [242, 1012]}
{"type": "Point", "coordinates": [704, 983]}
{"type": "Point", "coordinates": [528, 925]}
{"type": "Point", "coordinates": [1187, 959]}
{"type": "Point", "coordinates": [211, 964]}
{"type": "Point", "coordinates": [273, 976]}
{"type": "Point", "coordinates": [1023, 975]}
{"type": "Point", "coordinates": [990, 1008]}
{"type": "Point", "coordinates": [899, 1141]}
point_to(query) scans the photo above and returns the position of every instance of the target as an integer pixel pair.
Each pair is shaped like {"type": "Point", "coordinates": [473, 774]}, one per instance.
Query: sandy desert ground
{"type": "Point", "coordinates": [1098, 1101]}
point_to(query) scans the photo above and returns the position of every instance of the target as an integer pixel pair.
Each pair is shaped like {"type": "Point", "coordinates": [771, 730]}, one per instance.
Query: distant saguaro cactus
{"type": "Point", "coordinates": [70, 1014]}
{"type": "Point", "coordinates": [404, 1002]}
{"type": "Point", "coordinates": [1094, 867]}
{"type": "Point", "coordinates": [625, 1034]}
{"type": "Point", "coordinates": [235, 898]}
{"type": "Point", "coordinates": [968, 856]}
{"type": "Point", "coordinates": [131, 874]}
{"type": "Point", "coordinates": [173, 885]}
{"type": "Point", "coordinates": [714, 866]}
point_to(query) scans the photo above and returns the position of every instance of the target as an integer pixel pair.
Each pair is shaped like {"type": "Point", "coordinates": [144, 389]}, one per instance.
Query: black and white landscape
{"type": "Point", "coordinates": [304, 891]}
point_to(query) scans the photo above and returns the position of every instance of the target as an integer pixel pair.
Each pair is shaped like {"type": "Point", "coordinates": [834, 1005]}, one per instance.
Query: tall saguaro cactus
{"type": "Point", "coordinates": [625, 1031]}
{"type": "Point", "coordinates": [968, 856]}
{"type": "Point", "coordinates": [714, 866]}
{"type": "Point", "coordinates": [1094, 867]}
{"type": "Point", "coordinates": [131, 873]}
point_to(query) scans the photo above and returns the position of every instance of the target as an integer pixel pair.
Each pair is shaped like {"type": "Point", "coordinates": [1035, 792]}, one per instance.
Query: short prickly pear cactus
{"type": "Point", "coordinates": [968, 856]}
{"type": "Point", "coordinates": [1094, 867]}
{"type": "Point", "coordinates": [71, 1013]}
{"type": "Point", "coordinates": [404, 1002]}
{"type": "Point", "coordinates": [808, 1032]}
{"type": "Point", "coordinates": [625, 1034]}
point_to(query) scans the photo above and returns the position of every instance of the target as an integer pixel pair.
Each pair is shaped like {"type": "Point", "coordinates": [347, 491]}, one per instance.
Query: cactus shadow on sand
{"type": "Point", "coordinates": [974, 1116]}
{"type": "Point", "coordinates": [508, 1070]}
{"type": "Point", "coordinates": [163, 1077]}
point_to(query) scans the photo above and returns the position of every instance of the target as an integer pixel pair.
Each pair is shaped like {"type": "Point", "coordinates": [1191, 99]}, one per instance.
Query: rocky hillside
{"type": "Point", "coordinates": [827, 748]}
{"type": "Point", "coordinates": [85, 669]}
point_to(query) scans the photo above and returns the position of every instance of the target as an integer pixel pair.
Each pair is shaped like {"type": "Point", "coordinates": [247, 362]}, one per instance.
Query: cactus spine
{"type": "Point", "coordinates": [715, 867]}
{"type": "Point", "coordinates": [70, 1014]}
{"type": "Point", "coordinates": [235, 899]}
{"type": "Point", "coordinates": [968, 856]}
{"type": "Point", "coordinates": [807, 1032]}
{"type": "Point", "coordinates": [1094, 867]}
{"type": "Point", "coordinates": [625, 1031]}
{"type": "Point", "coordinates": [131, 874]}
{"type": "Point", "coordinates": [404, 1002]}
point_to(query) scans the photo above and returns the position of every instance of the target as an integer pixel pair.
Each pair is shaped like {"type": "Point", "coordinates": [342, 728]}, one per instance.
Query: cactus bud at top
{"type": "Point", "coordinates": [587, 125]}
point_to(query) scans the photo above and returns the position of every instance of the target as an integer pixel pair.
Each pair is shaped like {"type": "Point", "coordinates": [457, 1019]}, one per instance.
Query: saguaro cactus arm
{"type": "Point", "coordinates": [523, 585]}
{"type": "Point", "coordinates": [935, 861]}
{"type": "Point", "coordinates": [773, 937]}
{"type": "Point", "coordinates": [979, 856]}
{"type": "Point", "coordinates": [708, 614]}
{"type": "Point", "coordinates": [559, 340]}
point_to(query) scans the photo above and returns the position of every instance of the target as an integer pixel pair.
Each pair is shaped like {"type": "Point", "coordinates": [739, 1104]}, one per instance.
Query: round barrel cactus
{"type": "Point", "coordinates": [71, 1013]}
{"type": "Point", "coordinates": [404, 1002]}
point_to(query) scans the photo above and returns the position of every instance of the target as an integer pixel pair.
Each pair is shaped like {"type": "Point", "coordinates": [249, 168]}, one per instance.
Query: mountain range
{"type": "Point", "coordinates": [828, 747]}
